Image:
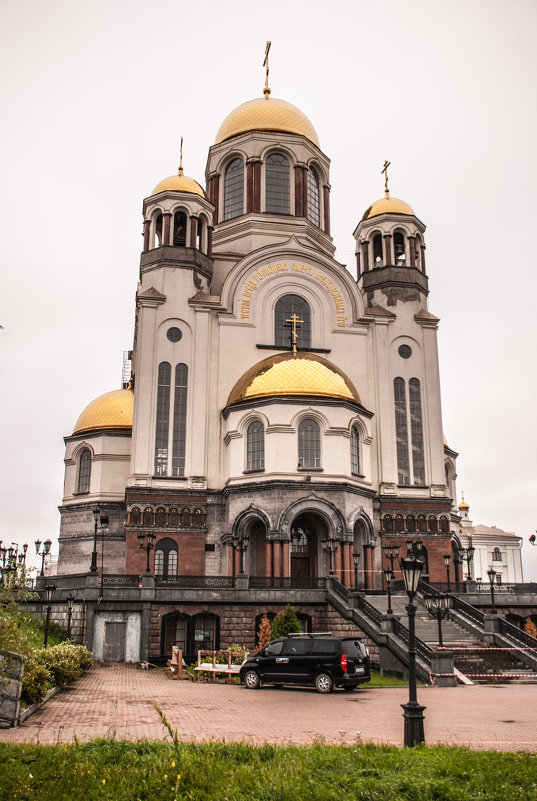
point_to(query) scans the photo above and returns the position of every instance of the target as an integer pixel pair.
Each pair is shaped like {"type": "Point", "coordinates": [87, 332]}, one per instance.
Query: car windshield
{"type": "Point", "coordinates": [353, 648]}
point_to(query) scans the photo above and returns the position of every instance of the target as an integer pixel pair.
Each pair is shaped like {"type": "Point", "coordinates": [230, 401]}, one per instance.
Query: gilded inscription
{"type": "Point", "coordinates": [305, 269]}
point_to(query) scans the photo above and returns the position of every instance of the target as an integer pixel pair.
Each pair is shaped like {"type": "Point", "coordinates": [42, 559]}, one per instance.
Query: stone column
{"type": "Point", "coordinates": [194, 222]}
{"type": "Point", "coordinates": [214, 191]}
{"type": "Point", "coordinates": [276, 556]}
{"type": "Point", "coordinates": [230, 560]}
{"type": "Point", "coordinates": [147, 232]}
{"type": "Point", "coordinates": [412, 251]}
{"type": "Point", "coordinates": [326, 203]}
{"type": "Point", "coordinates": [285, 559]}
{"type": "Point", "coordinates": [300, 188]}
{"type": "Point", "coordinates": [268, 558]}
{"type": "Point", "coordinates": [365, 256]}
{"type": "Point", "coordinates": [166, 233]}
{"type": "Point", "coordinates": [388, 255]}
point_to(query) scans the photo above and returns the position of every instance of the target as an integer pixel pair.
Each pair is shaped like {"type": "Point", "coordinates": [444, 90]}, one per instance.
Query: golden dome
{"type": "Point", "coordinates": [179, 183]}
{"type": "Point", "coordinates": [302, 374]}
{"type": "Point", "coordinates": [110, 411]}
{"type": "Point", "coordinates": [387, 205]}
{"type": "Point", "coordinates": [463, 506]}
{"type": "Point", "coordinates": [266, 114]}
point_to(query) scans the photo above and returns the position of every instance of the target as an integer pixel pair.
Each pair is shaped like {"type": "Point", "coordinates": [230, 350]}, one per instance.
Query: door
{"type": "Point", "coordinates": [114, 641]}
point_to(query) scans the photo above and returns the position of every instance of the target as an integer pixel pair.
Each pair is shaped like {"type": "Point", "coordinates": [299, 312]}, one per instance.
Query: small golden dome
{"type": "Point", "coordinates": [302, 374]}
{"type": "Point", "coordinates": [179, 183]}
{"type": "Point", "coordinates": [266, 114]}
{"type": "Point", "coordinates": [110, 411]}
{"type": "Point", "coordinates": [387, 205]}
{"type": "Point", "coordinates": [463, 506]}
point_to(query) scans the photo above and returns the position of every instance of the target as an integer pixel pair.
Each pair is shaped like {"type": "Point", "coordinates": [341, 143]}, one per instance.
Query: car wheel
{"type": "Point", "coordinates": [251, 680]}
{"type": "Point", "coordinates": [324, 683]}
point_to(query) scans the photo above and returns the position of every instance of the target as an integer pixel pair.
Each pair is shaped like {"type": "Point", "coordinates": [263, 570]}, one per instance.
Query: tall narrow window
{"type": "Point", "coordinates": [179, 420]}
{"type": "Point", "coordinates": [401, 432]}
{"type": "Point", "coordinates": [174, 633]}
{"type": "Point", "coordinates": [277, 191]}
{"type": "Point", "coordinates": [309, 444]}
{"type": "Point", "coordinates": [84, 472]}
{"type": "Point", "coordinates": [399, 247]}
{"type": "Point", "coordinates": [255, 446]}
{"type": "Point", "coordinates": [234, 190]}
{"type": "Point", "coordinates": [416, 428]}
{"type": "Point", "coordinates": [205, 634]}
{"type": "Point", "coordinates": [285, 308]}
{"type": "Point", "coordinates": [166, 558]}
{"type": "Point", "coordinates": [378, 251]}
{"type": "Point", "coordinates": [163, 419]}
{"type": "Point", "coordinates": [314, 206]}
{"type": "Point", "coordinates": [179, 229]}
{"type": "Point", "coordinates": [355, 451]}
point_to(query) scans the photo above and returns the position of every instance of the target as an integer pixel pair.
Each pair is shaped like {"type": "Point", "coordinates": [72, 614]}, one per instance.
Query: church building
{"type": "Point", "coordinates": [283, 418]}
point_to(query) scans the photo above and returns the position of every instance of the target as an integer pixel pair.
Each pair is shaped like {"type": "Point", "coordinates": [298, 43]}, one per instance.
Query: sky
{"type": "Point", "coordinates": [95, 97]}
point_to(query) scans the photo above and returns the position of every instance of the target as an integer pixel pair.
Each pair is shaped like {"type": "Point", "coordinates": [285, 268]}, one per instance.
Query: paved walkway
{"type": "Point", "coordinates": [117, 700]}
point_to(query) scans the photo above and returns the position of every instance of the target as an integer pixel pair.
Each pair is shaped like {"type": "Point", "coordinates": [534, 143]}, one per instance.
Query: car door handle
{"type": "Point", "coordinates": [282, 659]}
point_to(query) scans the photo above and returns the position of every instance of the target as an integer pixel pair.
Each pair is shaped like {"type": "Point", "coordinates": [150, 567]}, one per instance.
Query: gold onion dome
{"type": "Point", "coordinates": [179, 183]}
{"type": "Point", "coordinates": [266, 114]}
{"type": "Point", "coordinates": [387, 205]}
{"type": "Point", "coordinates": [463, 506]}
{"type": "Point", "coordinates": [297, 374]}
{"type": "Point", "coordinates": [112, 411]}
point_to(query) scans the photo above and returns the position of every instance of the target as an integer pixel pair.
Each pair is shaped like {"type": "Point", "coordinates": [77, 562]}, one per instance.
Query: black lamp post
{"type": "Point", "coordinates": [438, 607]}
{"type": "Point", "coordinates": [491, 574]}
{"type": "Point", "coordinates": [356, 560]}
{"type": "Point", "coordinates": [389, 575]}
{"type": "Point", "coordinates": [467, 555]}
{"type": "Point", "coordinates": [147, 543]}
{"type": "Point", "coordinates": [447, 560]}
{"type": "Point", "coordinates": [43, 554]}
{"type": "Point", "coordinates": [50, 589]}
{"type": "Point", "coordinates": [70, 600]}
{"type": "Point", "coordinates": [103, 521]}
{"type": "Point", "coordinates": [412, 711]}
{"type": "Point", "coordinates": [330, 546]}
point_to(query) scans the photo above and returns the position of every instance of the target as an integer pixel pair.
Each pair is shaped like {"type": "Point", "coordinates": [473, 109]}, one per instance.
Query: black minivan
{"type": "Point", "coordinates": [320, 661]}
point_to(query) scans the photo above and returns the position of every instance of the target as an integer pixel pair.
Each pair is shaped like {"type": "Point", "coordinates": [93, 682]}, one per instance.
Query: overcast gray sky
{"type": "Point", "coordinates": [95, 97]}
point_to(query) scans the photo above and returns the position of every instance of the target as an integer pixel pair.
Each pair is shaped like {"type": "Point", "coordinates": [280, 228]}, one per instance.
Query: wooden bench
{"type": "Point", "coordinates": [213, 668]}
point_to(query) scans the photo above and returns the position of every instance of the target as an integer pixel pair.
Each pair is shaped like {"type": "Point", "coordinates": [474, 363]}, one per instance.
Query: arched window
{"type": "Point", "coordinates": [135, 517]}
{"type": "Point", "coordinates": [199, 233]}
{"type": "Point", "coordinates": [84, 472]}
{"type": "Point", "coordinates": [147, 519]}
{"type": "Point", "coordinates": [401, 432]}
{"type": "Point", "coordinates": [166, 558]}
{"type": "Point", "coordinates": [496, 555]}
{"type": "Point", "coordinates": [277, 191]}
{"type": "Point", "coordinates": [399, 247]}
{"type": "Point", "coordinates": [399, 523]}
{"type": "Point", "coordinates": [443, 524]}
{"type": "Point", "coordinates": [158, 231]}
{"type": "Point", "coordinates": [378, 253]}
{"type": "Point", "coordinates": [355, 451]}
{"type": "Point", "coordinates": [234, 189]}
{"type": "Point", "coordinates": [387, 523]}
{"type": "Point", "coordinates": [179, 420]}
{"type": "Point", "coordinates": [160, 519]}
{"type": "Point", "coordinates": [175, 633]}
{"type": "Point", "coordinates": [163, 419]}
{"type": "Point", "coordinates": [314, 205]}
{"type": "Point", "coordinates": [309, 445]}
{"type": "Point", "coordinates": [186, 517]}
{"type": "Point", "coordinates": [433, 524]}
{"type": "Point", "coordinates": [173, 517]}
{"type": "Point", "coordinates": [179, 229]}
{"type": "Point", "coordinates": [255, 446]}
{"type": "Point", "coordinates": [285, 308]}
{"type": "Point", "coordinates": [410, 524]}
{"type": "Point", "coordinates": [416, 428]}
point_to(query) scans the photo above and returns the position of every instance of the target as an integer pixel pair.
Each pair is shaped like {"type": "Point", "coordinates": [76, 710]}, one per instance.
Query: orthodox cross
{"type": "Point", "coordinates": [294, 319]}
{"type": "Point", "coordinates": [181, 158]}
{"type": "Point", "coordinates": [266, 90]}
{"type": "Point", "coordinates": [385, 171]}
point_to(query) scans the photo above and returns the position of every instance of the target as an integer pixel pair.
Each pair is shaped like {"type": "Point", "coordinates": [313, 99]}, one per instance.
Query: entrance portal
{"type": "Point", "coordinates": [307, 531]}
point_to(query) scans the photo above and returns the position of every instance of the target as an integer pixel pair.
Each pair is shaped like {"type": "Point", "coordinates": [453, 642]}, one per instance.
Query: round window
{"type": "Point", "coordinates": [405, 351]}
{"type": "Point", "coordinates": [174, 334]}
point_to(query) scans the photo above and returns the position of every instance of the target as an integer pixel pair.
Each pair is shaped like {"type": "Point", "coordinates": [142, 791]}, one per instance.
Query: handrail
{"type": "Point", "coordinates": [456, 603]}
{"type": "Point", "coordinates": [517, 634]}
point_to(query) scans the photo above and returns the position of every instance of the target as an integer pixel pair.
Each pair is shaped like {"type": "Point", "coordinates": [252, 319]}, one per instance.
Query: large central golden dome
{"type": "Point", "coordinates": [266, 114]}
{"type": "Point", "coordinates": [296, 374]}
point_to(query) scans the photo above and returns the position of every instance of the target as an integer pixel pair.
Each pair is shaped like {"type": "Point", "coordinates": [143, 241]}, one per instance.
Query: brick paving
{"type": "Point", "coordinates": [117, 701]}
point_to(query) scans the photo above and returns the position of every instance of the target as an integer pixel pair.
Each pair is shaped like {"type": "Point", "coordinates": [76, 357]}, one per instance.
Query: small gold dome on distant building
{"type": "Point", "coordinates": [463, 506]}
{"type": "Point", "coordinates": [387, 205]}
{"type": "Point", "coordinates": [266, 114]}
{"type": "Point", "coordinates": [112, 411]}
{"type": "Point", "coordinates": [295, 374]}
{"type": "Point", "coordinates": [179, 183]}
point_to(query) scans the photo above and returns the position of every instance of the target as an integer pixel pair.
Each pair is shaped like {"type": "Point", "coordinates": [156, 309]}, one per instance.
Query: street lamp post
{"type": "Point", "coordinates": [412, 711]}
{"type": "Point", "coordinates": [388, 575]}
{"type": "Point", "coordinates": [467, 555]}
{"type": "Point", "coordinates": [70, 600]}
{"type": "Point", "coordinates": [147, 543]}
{"type": "Point", "coordinates": [241, 540]}
{"type": "Point", "coordinates": [491, 573]}
{"type": "Point", "coordinates": [50, 589]}
{"type": "Point", "coordinates": [330, 546]}
{"type": "Point", "coordinates": [438, 607]}
{"type": "Point", "coordinates": [447, 560]}
{"type": "Point", "coordinates": [103, 521]}
{"type": "Point", "coordinates": [356, 560]}
{"type": "Point", "coordinates": [43, 554]}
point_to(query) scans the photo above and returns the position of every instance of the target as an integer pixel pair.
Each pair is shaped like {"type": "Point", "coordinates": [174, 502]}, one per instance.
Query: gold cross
{"type": "Point", "coordinates": [294, 319]}
{"type": "Point", "coordinates": [181, 158]}
{"type": "Point", "coordinates": [266, 90]}
{"type": "Point", "coordinates": [385, 171]}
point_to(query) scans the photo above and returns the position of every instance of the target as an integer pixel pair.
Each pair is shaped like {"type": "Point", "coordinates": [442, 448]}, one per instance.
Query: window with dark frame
{"type": "Point", "coordinates": [277, 184]}
{"type": "Point", "coordinates": [355, 451]}
{"type": "Point", "coordinates": [163, 419]}
{"type": "Point", "coordinates": [309, 444]}
{"type": "Point", "coordinates": [255, 446]}
{"type": "Point", "coordinates": [314, 203]}
{"type": "Point", "coordinates": [234, 190]}
{"type": "Point", "coordinates": [84, 472]}
{"type": "Point", "coordinates": [285, 307]}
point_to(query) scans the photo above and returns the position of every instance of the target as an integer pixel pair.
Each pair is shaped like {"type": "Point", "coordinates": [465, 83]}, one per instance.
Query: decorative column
{"type": "Point", "coordinates": [166, 233]}
{"type": "Point", "coordinates": [388, 255]}
{"type": "Point", "coordinates": [277, 558]}
{"type": "Point", "coordinates": [147, 232]}
{"type": "Point", "coordinates": [300, 191]}
{"type": "Point", "coordinates": [285, 559]}
{"type": "Point", "coordinates": [338, 564]}
{"type": "Point", "coordinates": [214, 192]}
{"type": "Point", "coordinates": [253, 186]}
{"type": "Point", "coordinates": [230, 560]}
{"type": "Point", "coordinates": [210, 230]}
{"type": "Point", "coordinates": [412, 251]}
{"type": "Point", "coordinates": [365, 256]}
{"type": "Point", "coordinates": [358, 272]}
{"type": "Point", "coordinates": [268, 558]}
{"type": "Point", "coordinates": [326, 203]}
{"type": "Point", "coordinates": [194, 222]}
{"type": "Point", "coordinates": [422, 248]}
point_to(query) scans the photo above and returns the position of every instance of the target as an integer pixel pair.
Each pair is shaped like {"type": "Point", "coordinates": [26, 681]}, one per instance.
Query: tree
{"type": "Point", "coordinates": [530, 627]}
{"type": "Point", "coordinates": [285, 622]}
{"type": "Point", "coordinates": [264, 636]}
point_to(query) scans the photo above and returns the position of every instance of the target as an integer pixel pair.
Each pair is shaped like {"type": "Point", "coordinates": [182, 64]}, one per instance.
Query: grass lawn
{"type": "Point", "coordinates": [108, 769]}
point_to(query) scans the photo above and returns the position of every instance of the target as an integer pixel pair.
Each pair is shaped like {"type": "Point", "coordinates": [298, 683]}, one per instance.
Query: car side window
{"type": "Point", "coordinates": [324, 647]}
{"type": "Point", "coordinates": [274, 648]}
{"type": "Point", "coordinates": [297, 646]}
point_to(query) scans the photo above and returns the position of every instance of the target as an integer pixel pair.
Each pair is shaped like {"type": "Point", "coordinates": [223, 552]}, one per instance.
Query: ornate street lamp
{"type": "Point", "coordinates": [467, 555]}
{"type": "Point", "coordinates": [240, 541]}
{"type": "Point", "coordinates": [43, 554]}
{"type": "Point", "coordinates": [491, 574]}
{"type": "Point", "coordinates": [356, 560]}
{"type": "Point", "coordinates": [103, 521]}
{"type": "Point", "coordinates": [438, 607]}
{"type": "Point", "coordinates": [447, 560]}
{"type": "Point", "coordinates": [412, 711]}
{"type": "Point", "coordinates": [147, 543]}
{"type": "Point", "coordinates": [50, 589]}
{"type": "Point", "coordinates": [70, 601]}
{"type": "Point", "coordinates": [330, 546]}
{"type": "Point", "coordinates": [389, 576]}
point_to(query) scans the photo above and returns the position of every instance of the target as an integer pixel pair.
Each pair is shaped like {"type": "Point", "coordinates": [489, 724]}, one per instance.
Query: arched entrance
{"type": "Point", "coordinates": [307, 532]}
{"type": "Point", "coordinates": [363, 545]}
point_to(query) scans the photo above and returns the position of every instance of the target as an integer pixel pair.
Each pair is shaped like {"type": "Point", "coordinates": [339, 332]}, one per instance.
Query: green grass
{"type": "Point", "coordinates": [116, 770]}
{"type": "Point", "coordinates": [378, 680]}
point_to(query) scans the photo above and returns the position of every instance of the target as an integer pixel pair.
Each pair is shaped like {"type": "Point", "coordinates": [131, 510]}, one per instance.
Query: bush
{"type": "Point", "coordinates": [285, 622]}
{"type": "Point", "coordinates": [37, 679]}
{"type": "Point", "coordinates": [66, 662]}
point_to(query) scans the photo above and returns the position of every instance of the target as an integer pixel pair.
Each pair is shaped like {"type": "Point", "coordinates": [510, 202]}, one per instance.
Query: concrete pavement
{"type": "Point", "coordinates": [118, 701]}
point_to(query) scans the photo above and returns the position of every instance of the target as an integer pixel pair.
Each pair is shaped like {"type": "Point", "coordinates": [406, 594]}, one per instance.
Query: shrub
{"type": "Point", "coordinates": [37, 679]}
{"type": "Point", "coordinates": [285, 622]}
{"type": "Point", "coordinates": [65, 661]}
{"type": "Point", "coordinates": [263, 638]}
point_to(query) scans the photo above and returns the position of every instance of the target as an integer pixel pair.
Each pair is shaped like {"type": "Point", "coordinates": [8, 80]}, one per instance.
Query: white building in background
{"type": "Point", "coordinates": [495, 549]}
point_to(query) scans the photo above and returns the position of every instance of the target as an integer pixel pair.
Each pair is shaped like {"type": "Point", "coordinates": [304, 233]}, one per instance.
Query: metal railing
{"type": "Point", "coordinates": [122, 580]}
{"type": "Point", "coordinates": [508, 630]}
{"type": "Point", "coordinates": [287, 583]}
{"type": "Point", "coordinates": [195, 582]}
